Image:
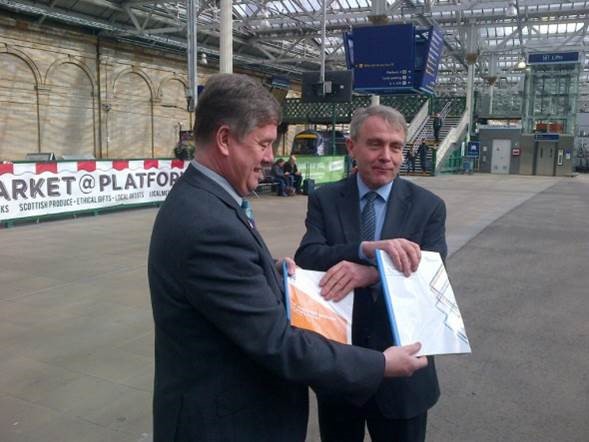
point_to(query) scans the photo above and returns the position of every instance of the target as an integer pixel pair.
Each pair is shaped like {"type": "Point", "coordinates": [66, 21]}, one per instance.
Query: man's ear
{"type": "Point", "coordinates": [222, 139]}
{"type": "Point", "coordinates": [350, 147]}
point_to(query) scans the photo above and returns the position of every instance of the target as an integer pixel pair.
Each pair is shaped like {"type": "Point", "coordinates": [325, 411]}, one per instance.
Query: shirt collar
{"type": "Point", "coordinates": [382, 192]}
{"type": "Point", "coordinates": [221, 181]}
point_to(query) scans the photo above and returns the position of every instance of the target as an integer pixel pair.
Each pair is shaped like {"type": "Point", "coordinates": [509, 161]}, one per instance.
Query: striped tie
{"type": "Point", "coordinates": [247, 208]}
{"type": "Point", "coordinates": [368, 227]}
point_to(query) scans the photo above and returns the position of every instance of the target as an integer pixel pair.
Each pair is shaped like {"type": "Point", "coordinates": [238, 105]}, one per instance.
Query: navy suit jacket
{"type": "Point", "coordinates": [333, 235]}
{"type": "Point", "coordinates": [228, 366]}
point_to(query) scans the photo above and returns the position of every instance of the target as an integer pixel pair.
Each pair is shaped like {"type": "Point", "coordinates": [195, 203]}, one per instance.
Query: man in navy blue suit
{"type": "Point", "coordinates": [228, 365]}
{"type": "Point", "coordinates": [346, 222]}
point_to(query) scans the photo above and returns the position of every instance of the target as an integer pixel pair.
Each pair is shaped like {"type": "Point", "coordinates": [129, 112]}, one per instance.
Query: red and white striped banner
{"type": "Point", "coordinates": [44, 188]}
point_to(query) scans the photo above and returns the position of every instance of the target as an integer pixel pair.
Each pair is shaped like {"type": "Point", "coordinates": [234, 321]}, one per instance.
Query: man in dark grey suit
{"type": "Point", "coordinates": [228, 366]}
{"type": "Point", "coordinates": [346, 222]}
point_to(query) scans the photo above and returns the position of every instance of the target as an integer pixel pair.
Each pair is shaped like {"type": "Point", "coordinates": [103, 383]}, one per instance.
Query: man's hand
{"type": "Point", "coordinates": [402, 362]}
{"type": "Point", "coordinates": [405, 254]}
{"type": "Point", "coordinates": [345, 276]}
{"type": "Point", "coordinates": [291, 267]}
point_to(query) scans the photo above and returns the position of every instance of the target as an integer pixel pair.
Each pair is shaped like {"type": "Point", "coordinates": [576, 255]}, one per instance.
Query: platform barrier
{"type": "Point", "coordinates": [35, 190]}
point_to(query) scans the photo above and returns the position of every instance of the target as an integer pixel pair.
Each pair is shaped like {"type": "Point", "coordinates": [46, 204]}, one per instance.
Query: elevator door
{"type": "Point", "coordinates": [545, 157]}
{"type": "Point", "coordinates": [501, 155]}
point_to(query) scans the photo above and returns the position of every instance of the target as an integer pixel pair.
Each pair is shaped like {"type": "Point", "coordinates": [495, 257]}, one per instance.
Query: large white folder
{"type": "Point", "coordinates": [422, 307]}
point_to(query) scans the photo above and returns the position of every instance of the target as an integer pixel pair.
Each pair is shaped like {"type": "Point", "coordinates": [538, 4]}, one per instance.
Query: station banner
{"type": "Point", "coordinates": [47, 188]}
{"type": "Point", "coordinates": [322, 169]}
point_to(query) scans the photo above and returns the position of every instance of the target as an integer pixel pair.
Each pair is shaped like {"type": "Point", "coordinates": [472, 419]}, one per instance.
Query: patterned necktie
{"type": "Point", "coordinates": [247, 208]}
{"type": "Point", "coordinates": [368, 227]}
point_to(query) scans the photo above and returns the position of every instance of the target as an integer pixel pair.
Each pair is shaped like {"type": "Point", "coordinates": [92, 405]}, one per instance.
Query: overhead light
{"type": "Point", "coordinates": [203, 58]}
{"type": "Point", "coordinates": [511, 10]}
{"type": "Point", "coordinates": [265, 21]}
{"type": "Point", "coordinates": [521, 64]}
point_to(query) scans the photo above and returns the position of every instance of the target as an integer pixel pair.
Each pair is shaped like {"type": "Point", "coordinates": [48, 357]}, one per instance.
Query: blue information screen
{"type": "Point", "coordinates": [396, 58]}
{"type": "Point", "coordinates": [434, 55]}
{"type": "Point", "coordinates": [546, 137]}
{"type": "Point", "coordinates": [383, 57]}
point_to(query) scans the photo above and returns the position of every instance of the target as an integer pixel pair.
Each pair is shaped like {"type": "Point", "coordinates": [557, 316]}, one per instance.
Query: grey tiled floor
{"type": "Point", "coordinates": [76, 334]}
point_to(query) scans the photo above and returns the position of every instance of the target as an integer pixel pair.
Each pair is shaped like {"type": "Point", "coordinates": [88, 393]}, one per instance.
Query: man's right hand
{"type": "Point", "coordinates": [402, 362]}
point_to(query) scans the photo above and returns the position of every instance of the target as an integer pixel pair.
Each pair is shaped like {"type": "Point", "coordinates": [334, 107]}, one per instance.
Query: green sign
{"type": "Point", "coordinates": [324, 169]}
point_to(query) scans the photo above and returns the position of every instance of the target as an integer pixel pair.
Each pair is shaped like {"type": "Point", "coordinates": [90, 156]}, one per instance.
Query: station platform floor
{"type": "Point", "coordinates": [76, 330]}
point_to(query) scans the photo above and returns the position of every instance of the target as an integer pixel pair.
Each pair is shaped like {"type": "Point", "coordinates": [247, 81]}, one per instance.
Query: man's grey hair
{"type": "Point", "coordinates": [392, 116]}
{"type": "Point", "coordinates": [236, 100]}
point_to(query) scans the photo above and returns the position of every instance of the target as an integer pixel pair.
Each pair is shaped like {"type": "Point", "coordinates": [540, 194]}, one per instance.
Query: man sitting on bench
{"type": "Point", "coordinates": [284, 182]}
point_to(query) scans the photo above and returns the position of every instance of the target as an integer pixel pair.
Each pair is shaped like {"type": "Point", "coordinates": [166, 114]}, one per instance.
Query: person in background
{"type": "Point", "coordinates": [291, 170]}
{"type": "Point", "coordinates": [422, 152]}
{"type": "Point", "coordinates": [228, 365]}
{"type": "Point", "coordinates": [437, 126]}
{"type": "Point", "coordinates": [284, 182]}
{"type": "Point", "coordinates": [411, 159]}
{"type": "Point", "coordinates": [346, 222]}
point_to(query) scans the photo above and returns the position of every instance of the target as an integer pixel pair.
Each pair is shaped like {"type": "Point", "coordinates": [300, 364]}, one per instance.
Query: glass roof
{"type": "Point", "coordinates": [284, 36]}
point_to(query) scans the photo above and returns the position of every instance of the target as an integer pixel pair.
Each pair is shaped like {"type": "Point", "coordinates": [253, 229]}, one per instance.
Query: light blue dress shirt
{"type": "Point", "coordinates": [221, 181]}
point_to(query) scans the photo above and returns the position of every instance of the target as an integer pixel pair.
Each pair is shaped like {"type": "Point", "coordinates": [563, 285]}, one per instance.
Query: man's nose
{"type": "Point", "coordinates": [386, 155]}
{"type": "Point", "coordinates": [268, 156]}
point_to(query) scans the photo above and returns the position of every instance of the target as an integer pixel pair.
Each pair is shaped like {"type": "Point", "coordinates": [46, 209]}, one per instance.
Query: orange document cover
{"type": "Point", "coordinates": [307, 309]}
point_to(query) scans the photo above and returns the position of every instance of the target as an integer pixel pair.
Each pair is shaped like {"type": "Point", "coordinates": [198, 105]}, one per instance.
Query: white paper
{"type": "Point", "coordinates": [309, 310]}
{"type": "Point", "coordinates": [422, 307]}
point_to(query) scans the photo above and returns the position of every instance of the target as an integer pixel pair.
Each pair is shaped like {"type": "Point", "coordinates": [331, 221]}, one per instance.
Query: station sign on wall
{"type": "Point", "coordinates": [554, 58]}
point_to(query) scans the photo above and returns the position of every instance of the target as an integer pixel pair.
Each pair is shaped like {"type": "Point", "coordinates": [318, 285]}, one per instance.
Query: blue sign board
{"type": "Point", "coordinates": [428, 72]}
{"type": "Point", "coordinates": [473, 149]}
{"type": "Point", "coordinates": [382, 57]}
{"type": "Point", "coordinates": [394, 58]}
{"type": "Point", "coordinates": [553, 58]}
{"type": "Point", "coordinates": [546, 137]}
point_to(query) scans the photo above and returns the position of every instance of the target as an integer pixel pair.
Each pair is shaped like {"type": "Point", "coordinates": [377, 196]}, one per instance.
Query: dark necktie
{"type": "Point", "coordinates": [247, 208]}
{"type": "Point", "coordinates": [368, 227]}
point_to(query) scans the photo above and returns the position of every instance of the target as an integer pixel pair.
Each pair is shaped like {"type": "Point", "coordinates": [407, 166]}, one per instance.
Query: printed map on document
{"type": "Point", "coordinates": [422, 307]}
{"type": "Point", "coordinates": [307, 309]}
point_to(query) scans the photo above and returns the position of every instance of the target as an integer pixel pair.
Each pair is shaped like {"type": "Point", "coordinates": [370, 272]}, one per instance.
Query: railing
{"type": "Point", "coordinates": [418, 122]}
{"type": "Point", "coordinates": [453, 164]}
{"type": "Point", "coordinates": [455, 134]}
{"type": "Point", "coordinates": [295, 111]}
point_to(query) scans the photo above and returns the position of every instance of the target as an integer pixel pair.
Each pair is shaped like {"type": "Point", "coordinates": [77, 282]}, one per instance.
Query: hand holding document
{"type": "Point", "coordinates": [309, 310]}
{"type": "Point", "coordinates": [422, 307]}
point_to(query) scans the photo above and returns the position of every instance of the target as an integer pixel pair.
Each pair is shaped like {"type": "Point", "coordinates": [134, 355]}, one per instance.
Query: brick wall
{"type": "Point", "coordinates": [66, 92]}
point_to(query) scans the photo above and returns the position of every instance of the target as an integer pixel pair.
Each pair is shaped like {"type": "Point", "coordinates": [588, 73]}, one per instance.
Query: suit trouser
{"type": "Point", "coordinates": [345, 423]}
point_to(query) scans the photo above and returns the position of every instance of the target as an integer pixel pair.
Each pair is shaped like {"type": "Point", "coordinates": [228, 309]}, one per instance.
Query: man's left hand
{"type": "Point", "coordinates": [345, 276]}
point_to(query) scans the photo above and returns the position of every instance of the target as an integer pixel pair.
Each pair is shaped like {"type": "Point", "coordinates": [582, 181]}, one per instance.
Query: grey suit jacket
{"type": "Point", "coordinates": [333, 235]}
{"type": "Point", "coordinates": [228, 367]}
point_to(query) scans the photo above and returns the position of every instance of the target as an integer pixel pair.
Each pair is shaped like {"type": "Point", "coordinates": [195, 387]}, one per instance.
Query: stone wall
{"type": "Point", "coordinates": [66, 92]}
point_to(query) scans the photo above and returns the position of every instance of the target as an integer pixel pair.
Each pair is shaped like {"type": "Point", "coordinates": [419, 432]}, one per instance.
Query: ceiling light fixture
{"type": "Point", "coordinates": [511, 10]}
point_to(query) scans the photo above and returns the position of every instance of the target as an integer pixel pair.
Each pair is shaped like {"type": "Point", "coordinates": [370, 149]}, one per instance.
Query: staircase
{"type": "Point", "coordinates": [427, 134]}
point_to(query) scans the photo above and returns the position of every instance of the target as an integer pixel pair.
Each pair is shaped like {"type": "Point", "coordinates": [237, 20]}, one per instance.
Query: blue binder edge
{"type": "Point", "coordinates": [387, 299]}
{"type": "Point", "coordinates": [286, 291]}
